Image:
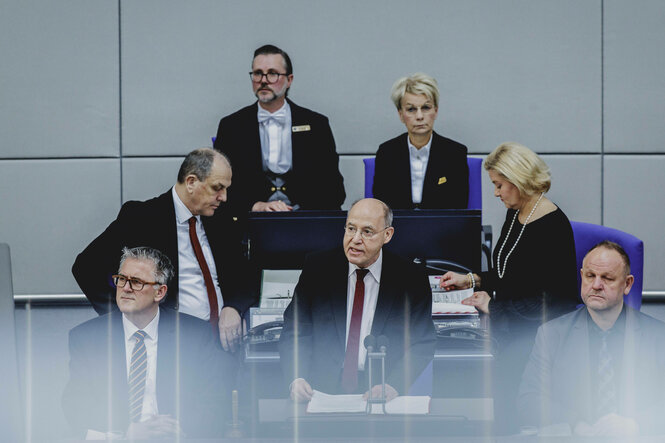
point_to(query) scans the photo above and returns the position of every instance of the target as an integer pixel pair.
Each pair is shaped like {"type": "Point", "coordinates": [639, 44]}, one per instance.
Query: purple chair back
{"type": "Point", "coordinates": [587, 235]}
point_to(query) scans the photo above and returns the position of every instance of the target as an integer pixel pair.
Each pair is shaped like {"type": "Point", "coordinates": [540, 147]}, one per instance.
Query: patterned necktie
{"type": "Point", "coordinates": [350, 373]}
{"type": "Point", "coordinates": [606, 388]}
{"type": "Point", "coordinates": [137, 374]}
{"type": "Point", "coordinates": [207, 278]}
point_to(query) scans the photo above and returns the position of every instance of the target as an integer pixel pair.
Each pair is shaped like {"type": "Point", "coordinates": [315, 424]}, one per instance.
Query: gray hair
{"type": "Point", "coordinates": [199, 162]}
{"type": "Point", "coordinates": [163, 268]}
{"type": "Point", "coordinates": [387, 212]}
{"type": "Point", "coordinates": [417, 84]}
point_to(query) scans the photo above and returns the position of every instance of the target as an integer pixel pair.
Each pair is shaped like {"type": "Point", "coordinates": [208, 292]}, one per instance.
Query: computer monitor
{"type": "Point", "coordinates": [281, 240]}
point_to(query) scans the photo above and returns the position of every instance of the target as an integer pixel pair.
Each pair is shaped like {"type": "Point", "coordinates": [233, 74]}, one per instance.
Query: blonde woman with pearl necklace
{"type": "Point", "coordinates": [534, 278]}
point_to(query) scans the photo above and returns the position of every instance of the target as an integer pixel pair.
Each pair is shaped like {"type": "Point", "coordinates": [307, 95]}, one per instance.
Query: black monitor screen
{"type": "Point", "coordinates": [281, 240]}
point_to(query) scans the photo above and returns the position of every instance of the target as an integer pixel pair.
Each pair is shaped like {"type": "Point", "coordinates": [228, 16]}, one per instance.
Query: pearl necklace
{"type": "Point", "coordinates": [498, 257]}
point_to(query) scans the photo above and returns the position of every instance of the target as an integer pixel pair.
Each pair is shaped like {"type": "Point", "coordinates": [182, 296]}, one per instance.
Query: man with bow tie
{"type": "Point", "coordinates": [283, 155]}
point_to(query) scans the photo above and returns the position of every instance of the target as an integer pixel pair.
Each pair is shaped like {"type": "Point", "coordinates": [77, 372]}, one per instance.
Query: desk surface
{"type": "Point", "coordinates": [459, 416]}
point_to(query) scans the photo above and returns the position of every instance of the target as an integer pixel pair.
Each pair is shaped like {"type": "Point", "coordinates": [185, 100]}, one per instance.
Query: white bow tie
{"type": "Point", "coordinates": [278, 117]}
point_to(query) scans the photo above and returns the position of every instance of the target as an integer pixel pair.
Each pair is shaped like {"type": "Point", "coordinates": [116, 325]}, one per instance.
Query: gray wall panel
{"type": "Point", "coordinates": [51, 210]}
{"type": "Point", "coordinates": [634, 203]}
{"type": "Point", "coordinates": [144, 178]}
{"type": "Point", "coordinates": [634, 76]}
{"type": "Point", "coordinates": [353, 171]}
{"type": "Point", "coordinates": [513, 85]}
{"type": "Point", "coordinates": [59, 78]}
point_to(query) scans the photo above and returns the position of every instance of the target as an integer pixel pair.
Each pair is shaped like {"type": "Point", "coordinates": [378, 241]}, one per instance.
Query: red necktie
{"type": "Point", "coordinates": [350, 374]}
{"type": "Point", "coordinates": [210, 286]}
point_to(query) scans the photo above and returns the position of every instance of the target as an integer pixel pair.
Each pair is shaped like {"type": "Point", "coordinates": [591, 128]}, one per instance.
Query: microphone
{"type": "Point", "coordinates": [370, 343]}
{"type": "Point", "coordinates": [382, 342]}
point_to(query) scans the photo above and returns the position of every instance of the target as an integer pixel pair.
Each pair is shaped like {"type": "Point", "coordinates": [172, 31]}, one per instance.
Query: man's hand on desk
{"type": "Point", "coordinates": [273, 206]}
{"type": "Point", "coordinates": [301, 391]}
{"type": "Point", "coordinates": [155, 426]}
{"type": "Point", "coordinates": [230, 330]}
{"type": "Point", "coordinates": [376, 392]}
{"type": "Point", "coordinates": [480, 300]}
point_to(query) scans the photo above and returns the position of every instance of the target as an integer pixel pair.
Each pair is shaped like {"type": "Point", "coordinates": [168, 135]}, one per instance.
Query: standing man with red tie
{"type": "Point", "coordinates": [283, 155]}
{"type": "Point", "coordinates": [212, 278]}
{"type": "Point", "coordinates": [342, 296]}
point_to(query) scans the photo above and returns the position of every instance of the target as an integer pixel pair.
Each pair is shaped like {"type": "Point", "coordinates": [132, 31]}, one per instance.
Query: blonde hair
{"type": "Point", "coordinates": [419, 84]}
{"type": "Point", "coordinates": [520, 166]}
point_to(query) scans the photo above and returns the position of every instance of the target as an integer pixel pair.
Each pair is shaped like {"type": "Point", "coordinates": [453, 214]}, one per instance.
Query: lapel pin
{"type": "Point", "coordinates": [300, 128]}
{"type": "Point", "coordinates": [442, 180]}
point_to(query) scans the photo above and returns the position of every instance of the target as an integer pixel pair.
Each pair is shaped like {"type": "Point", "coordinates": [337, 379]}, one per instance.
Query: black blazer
{"type": "Point", "coordinates": [314, 181]}
{"type": "Point", "coordinates": [314, 348]}
{"type": "Point", "coordinates": [152, 223]}
{"type": "Point", "coordinates": [191, 366]}
{"type": "Point", "coordinates": [446, 184]}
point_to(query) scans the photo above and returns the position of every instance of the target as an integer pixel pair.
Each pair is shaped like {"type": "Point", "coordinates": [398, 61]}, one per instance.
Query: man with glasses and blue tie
{"type": "Point", "coordinates": [283, 155]}
{"type": "Point", "coordinates": [348, 293]}
{"type": "Point", "coordinates": [146, 371]}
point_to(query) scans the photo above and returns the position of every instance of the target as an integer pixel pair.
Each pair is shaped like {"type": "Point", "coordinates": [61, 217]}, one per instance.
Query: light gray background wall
{"type": "Point", "coordinates": [99, 101]}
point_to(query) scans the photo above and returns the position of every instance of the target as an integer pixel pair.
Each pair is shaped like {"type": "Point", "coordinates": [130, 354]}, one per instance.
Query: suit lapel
{"type": "Point", "coordinates": [118, 388]}
{"type": "Point", "coordinates": [338, 295]}
{"type": "Point", "coordinates": [167, 352]}
{"type": "Point", "coordinates": [580, 376]}
{"type": "Point", "coordinates": [165, 222]}
{"type": "Point", "coordinates": [435, 166]}
{"type": "Point", "coordinates": [254, 156]}
{"type": "Point", "coordinates": [297, 119]}
{"type": "Point", "coordinates": [388, 290]}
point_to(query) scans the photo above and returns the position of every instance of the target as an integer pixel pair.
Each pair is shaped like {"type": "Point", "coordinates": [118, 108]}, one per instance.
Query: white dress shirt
{"type": "Point", "coordinates": [150, 394]}
{"type": "Point", "coordinates": [276, 140]}
{"type": "Point", "coordinates": [419, 159]}
{"type": "Point", "coordinates": [372, 282]}
{"type": "Point", "coordinates": [192, 292]}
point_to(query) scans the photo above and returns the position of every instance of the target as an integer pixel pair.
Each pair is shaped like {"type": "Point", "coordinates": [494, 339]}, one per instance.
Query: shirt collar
{"type": "Point", "coordinates": [284, 109]}
{"type": "Point", "coordinates": [182, 213]}
{"type": "Point", "coordinates": [618, 328]}
{"type": "Point", "coordinates": [374, 268]}
{"type": "Point", "coordinates": [425, 149]}
{"type": "Point", "coordinates": [150, 329]}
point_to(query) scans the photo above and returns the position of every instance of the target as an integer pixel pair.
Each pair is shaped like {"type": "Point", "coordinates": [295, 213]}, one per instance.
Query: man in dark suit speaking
{"type": "Point", "coordinates": [345, 294]}
{"type": "Point", "coordinates": [283, 155]}
{"type": "Point", "coordinates": [145, 371]}
{"type": "Point", "coordinates": [212, 279]}
{"type": "Point", "coordinates": [598, 369]}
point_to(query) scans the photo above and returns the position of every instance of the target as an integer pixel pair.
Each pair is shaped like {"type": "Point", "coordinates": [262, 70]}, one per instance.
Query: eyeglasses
{"type": "Point", "coordinates": [425, 109]}
{"type": "Point", "coordinates": [271, 77]}
{"type": "Point", "coordinates": [366, 233]}
{"type": "Point", "coordinates": [135, 283]}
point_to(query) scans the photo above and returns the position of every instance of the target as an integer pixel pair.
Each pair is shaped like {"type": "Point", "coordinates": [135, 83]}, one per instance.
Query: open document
{"type": "Point", "coordinates": [449, 302]}
{"type": "Point", "coordinates": [322, 403]}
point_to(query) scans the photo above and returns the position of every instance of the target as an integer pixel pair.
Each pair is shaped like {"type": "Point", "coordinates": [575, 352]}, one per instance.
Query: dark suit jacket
{"type": "Point", "coordinates": [314, 181]}
{"type": "Point", "coordinates": [152, 223]}
{"type": "Point", "coordinates": [312, 344]}
{"type": "Point", "coordinates": [556, 385]}
{"type": "Point", "coordinates": [191, 366]}
{"type": "Point", "coordinates": [447, 158]}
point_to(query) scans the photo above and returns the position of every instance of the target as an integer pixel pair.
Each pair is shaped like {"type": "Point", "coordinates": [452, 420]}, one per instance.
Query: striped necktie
{"type": "Point", "coordinates": [137, 375]}
{"type": "Point", "coordinates": [606, 387]}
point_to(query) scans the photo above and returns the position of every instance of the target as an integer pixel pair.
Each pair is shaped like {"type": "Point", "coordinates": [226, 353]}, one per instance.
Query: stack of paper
{"type": "Point", "coordinates": [326, 403]}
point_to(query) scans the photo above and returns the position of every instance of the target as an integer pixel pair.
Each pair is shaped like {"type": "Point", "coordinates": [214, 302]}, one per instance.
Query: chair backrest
{"type": "Point", "coordinates": [475, 181]}
{"type": "Point", "coordinates": [587, 235]}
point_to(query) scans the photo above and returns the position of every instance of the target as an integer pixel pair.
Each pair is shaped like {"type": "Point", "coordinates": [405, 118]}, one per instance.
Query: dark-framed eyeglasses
{"type": "Point", "coordinates": [136, 284]}
{"type": "Point", "coordinates": [366, 233]}
{"type": "Point", "coordinates": [271, 77]}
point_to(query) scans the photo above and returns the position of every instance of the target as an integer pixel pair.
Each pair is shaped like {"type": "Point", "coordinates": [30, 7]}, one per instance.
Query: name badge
{"type": "Point", "coordinates": [442, 180]}
{"type": "Point", "coordinates": [301, 128]}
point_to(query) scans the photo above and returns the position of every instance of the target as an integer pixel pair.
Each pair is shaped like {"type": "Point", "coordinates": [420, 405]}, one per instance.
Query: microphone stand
{"type": "Point", "coordinates": [381, 355]}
